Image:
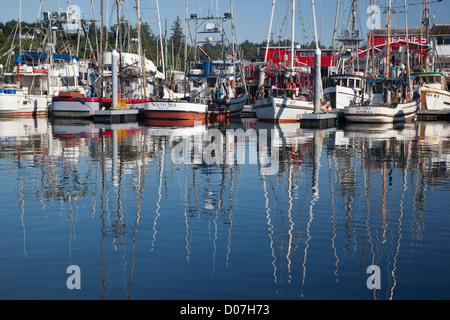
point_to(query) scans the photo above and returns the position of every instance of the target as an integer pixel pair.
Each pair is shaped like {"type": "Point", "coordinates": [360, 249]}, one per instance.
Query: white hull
{"type": "Point", "coordinates": [434, 99]}
{"type": "Point", "coordinates": [382, 113]}
{"type": "Point", "coordinates": [237, 105]}
{"type": "Point", "coordinates": [282, 109]}
{"type": "Point", "coordinates": [75, 107]}
{"type": "Point", "coordinates": [177, 110]}
{"type": "Point", "coordinates": [339, 96]}
{"type": "Point", "coordinates": [23, 104]}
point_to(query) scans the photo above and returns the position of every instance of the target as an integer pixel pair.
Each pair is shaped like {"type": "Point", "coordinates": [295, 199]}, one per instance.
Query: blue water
{"type": "Point", "coordinates": [114, 201]}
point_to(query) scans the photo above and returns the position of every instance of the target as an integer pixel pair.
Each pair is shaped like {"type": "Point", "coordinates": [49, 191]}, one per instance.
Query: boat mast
{"type": "Point", "coordinates": [317, 75]}
{"type": "Point", "coordinates": [19, 58]}
{"type": "Point", "coordinates": [185, 47]}
{"type": "Point", "coordinates": [386, 71]}
{"type": "Point", "coordinates": [161, 41]}
{"type": "Point", "coordinates": [334, 33]}
{"type": "Point", "coordinates": [144, 79]}
{"type": "Point", "coordinates": [292, 36]}
{"type": "Point", "coordinates": [408, 71]}
{"type": "Point", "coordinates": [270, 31]}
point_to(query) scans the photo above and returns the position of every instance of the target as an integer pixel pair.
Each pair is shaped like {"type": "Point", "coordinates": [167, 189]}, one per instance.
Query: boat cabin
{"type": "Point", "coordinates": [436, 80]}
{"type": "Point", "coordinates": [347, 80]}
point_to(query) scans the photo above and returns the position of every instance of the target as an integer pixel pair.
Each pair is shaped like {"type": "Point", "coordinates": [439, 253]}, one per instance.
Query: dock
{"type": "Point", "coordinates": [433, 115]}
{"type": "Point", "coordinates": [116, 116]}
{"type": "Point", "coordinates": [321, 120]}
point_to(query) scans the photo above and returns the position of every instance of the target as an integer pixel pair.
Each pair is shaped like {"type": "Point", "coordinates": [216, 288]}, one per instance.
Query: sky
{"type": "Point", "coordinates": [251, 17]}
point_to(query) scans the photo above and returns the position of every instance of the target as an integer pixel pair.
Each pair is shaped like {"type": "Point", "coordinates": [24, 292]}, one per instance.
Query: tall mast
{"type": "Point", "coordinates": [354, 8]}
{"type": "Point", "coordinates": [386, 71]}
{"type": "Point", "coordinates": [270, 31]}
{"type": "Point", "coordinates": [317, 75]}
{"type": "Point", "coordinates": [161, 41]}
{"type": "Point", "coordinates": [144, 79]}
{"type": "Point", "coordinates": [102, 66]}
{"type": "Point", "coordinates": [334, 32]}
{"type": "Point", "coordinates": [185, 47]}
{"type": "Point", "coordinates": [292, 34]}
{"type": "Point", "coordinates": [408, 71]}
{"type": "Point", "coordinates": [372, 39]}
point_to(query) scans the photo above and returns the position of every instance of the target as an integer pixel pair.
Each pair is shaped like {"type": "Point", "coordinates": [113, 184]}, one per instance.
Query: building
{"type": "Point", "coordinates": [440, 36]}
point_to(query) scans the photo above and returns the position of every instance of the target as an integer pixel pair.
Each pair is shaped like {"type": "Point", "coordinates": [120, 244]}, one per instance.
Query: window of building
{"type": "Point", "coordinates": [443, 40]}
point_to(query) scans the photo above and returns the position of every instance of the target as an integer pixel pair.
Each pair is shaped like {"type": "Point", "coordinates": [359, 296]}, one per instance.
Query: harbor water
{"type": "Point", "coordinates": [273, 212]}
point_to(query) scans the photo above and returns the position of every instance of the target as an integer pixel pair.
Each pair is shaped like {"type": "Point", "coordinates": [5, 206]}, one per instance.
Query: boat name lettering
{"type": "Point", "coordinates": [164, 105]}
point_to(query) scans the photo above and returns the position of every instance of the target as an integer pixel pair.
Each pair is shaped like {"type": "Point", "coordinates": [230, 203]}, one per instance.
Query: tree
{"type": "Point", "coordinates": [177, 35]}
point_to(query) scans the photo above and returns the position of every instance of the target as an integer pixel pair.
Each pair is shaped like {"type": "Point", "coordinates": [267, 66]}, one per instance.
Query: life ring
{"type": "Point", "coordinates": [292, 84]}
{"type": "Point", "coordinates": [232, 85]}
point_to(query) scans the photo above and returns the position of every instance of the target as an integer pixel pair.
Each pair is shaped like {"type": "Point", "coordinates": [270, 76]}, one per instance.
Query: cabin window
{"type": "Point", "coordinates": [326, 54]}
{"type": "Point", "coordinates": [358, 83]}
{"type": "Point", "coordinates": [377, 87]}
{"type": "Point", "coordinates": [351, 83]}
{"type": "Point", "coordinates": [303, 54]}
{"type": "Point", "coordinates": [275, 55]}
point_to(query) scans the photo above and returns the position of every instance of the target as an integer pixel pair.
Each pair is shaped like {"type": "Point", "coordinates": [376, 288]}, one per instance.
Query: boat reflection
{"type": "Point", "coordinates": [337, 201]}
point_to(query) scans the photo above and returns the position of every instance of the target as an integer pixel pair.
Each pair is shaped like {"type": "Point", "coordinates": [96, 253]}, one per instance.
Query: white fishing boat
{"type": "Point", "coordinates": [41, 73]}
{"type": "Point", "coordinates": [343, 88]}
{"type": "Point", "coordinates": [389, 100]}
{"type": "Point", "coordinates": [175, 110]}
{"type": "Point", "coordinates": [383, 113]}
{"type": "Point", "coordinates": [432, 89]}
{"type": "Point", "coordinates": [282, 102]}
{"type": "Point", "coordinates": [279, 109]}
{"type": "Point", "coordinates": [16, 101]}
{"type": "Point", "coordinates": [208, 89]}
{"type": "Point", "coordinates": [346, 80]}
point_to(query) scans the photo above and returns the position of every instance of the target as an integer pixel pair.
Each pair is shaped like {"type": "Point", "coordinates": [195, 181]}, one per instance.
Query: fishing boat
{"type": "Point", "coordinates": [345, 80]}
{"type": "Point", "coordinates": [39, 74]}
{"type": "Point", "coordinates": [391, 98]}
{"type": "Point", "coordinates": [124, 81]}
{"type": "Point", "coordinates": [130, 94]}
{"type": "Point", "coordinates": [432, 89]}
{"type": "Point", "coordinates": [212, 89]}
{"type": "Point", "coordinates": [282, 101]}
{"type": "Point", "coordinates": [343, 88]}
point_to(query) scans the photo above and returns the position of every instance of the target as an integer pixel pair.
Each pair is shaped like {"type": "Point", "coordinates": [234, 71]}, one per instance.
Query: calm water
{"type": "Point", "coordinates": [116, 202]}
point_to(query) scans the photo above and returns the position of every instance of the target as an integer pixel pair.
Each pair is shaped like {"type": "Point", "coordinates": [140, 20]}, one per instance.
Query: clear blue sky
{"type": "Point", "coordinates": [251, 16]}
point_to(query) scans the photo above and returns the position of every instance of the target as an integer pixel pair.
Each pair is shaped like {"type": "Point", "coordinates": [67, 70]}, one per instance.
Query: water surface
{"type": "Point", "coordinates": [303, 218]}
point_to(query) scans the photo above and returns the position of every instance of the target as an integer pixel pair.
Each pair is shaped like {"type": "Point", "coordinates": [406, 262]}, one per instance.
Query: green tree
{"type": "Point", "coordinates": [177, 35]}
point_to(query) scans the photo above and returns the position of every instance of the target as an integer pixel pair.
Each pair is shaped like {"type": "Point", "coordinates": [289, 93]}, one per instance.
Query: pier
{"type": "Point", "coordinates": [433, 115]}
{"type": "Point", "coordinates": [116, 116]}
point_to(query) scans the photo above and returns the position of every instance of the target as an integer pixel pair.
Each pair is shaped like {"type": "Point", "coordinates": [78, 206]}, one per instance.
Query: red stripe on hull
{"type": "Point", "coordinates": [174, 115]}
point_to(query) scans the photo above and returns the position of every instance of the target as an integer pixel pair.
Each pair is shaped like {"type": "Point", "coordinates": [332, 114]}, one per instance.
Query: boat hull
{"type": "Point", "coordinates": [63, 107]}
{"type": "Point", "coordinates": [282, 110]}
{"type": "Point", "coordinates": [236, 105]}
{"type": "Point", "coordinates": [176, 110]}
{"type": "Point", "coordinates": [23, 105]}
{"type": "Point", "coordinates": [382, 113]}
{"type": "Point", "coordinates": [434, 99]}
